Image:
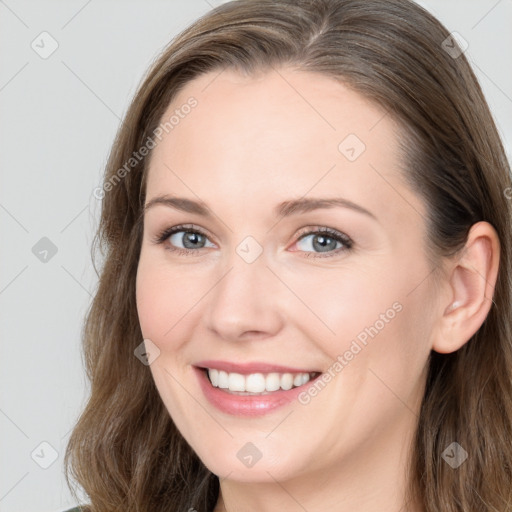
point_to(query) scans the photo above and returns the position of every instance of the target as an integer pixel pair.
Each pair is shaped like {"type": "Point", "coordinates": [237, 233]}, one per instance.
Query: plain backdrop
{"type": "Point", "coordinates": [59, 115]}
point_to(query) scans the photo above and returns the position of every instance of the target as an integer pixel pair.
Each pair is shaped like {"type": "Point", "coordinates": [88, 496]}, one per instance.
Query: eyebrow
{"type": "Point", "coordinates": [284, 209]}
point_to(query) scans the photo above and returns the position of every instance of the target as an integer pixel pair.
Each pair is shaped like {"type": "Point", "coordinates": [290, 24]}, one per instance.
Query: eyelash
{"type": "Point", "coordinates": [333, 234]}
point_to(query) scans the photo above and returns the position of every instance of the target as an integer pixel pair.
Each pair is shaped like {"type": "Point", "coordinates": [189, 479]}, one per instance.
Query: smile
{"type": "Point", "coordinates": [257, 383]}
{"type": "Point", "coordinates": [252, 394]}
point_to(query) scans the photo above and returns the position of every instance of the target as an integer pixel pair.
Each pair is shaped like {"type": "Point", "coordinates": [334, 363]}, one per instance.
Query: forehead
{"type": "Point", "coordinates": [280, 134]}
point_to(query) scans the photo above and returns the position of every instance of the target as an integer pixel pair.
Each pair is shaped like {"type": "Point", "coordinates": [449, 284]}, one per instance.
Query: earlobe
{"type": "Point", "coordinates": [472, 280]}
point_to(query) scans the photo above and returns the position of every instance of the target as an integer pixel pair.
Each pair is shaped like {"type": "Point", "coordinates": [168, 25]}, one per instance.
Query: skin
{"type": "Point", "coordinates": [250, 144]}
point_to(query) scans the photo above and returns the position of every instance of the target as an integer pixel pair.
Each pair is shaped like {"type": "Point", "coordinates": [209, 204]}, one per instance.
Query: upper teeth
{"type": "Point", "coordinates": [256, 382]}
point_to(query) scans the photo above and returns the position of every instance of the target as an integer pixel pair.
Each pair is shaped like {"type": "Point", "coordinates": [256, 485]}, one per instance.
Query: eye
{"type": "Point", "coordinates": [189, 238]}
{"type": "Point", "coordinates": [185, 240]}
{"type": "Point", "coordinates": [324, 240]}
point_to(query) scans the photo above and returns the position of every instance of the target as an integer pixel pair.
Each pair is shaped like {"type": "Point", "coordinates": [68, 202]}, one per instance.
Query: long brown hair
{"type": "Point", "coordinates": [125, 450]}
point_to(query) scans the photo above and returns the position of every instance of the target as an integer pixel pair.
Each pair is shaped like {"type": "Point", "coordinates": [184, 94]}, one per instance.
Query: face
{"type": "Point", "coordinates": [255, 283]}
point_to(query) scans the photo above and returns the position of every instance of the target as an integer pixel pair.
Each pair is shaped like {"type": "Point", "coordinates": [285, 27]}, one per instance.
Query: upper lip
{"type": "Point", "coordinates": [253, 367]}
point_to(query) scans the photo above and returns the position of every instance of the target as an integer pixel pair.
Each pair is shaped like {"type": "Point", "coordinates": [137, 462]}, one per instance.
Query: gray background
{"type": "Point", "coordinates": [59, 118]}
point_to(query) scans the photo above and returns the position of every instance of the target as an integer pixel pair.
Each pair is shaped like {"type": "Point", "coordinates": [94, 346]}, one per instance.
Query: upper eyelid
{"type": "Point", "coordinates": [179, 228]}
{"type": "Point", "coordinates": [303, 232]}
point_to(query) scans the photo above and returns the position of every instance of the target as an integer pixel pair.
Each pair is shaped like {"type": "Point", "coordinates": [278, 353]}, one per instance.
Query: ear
{"type": "Point", "coordinates": [471, 282]}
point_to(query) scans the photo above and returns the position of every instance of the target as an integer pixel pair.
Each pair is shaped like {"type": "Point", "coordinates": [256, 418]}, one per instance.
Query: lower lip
{"type": "Point", "coordinates": [246, 405]}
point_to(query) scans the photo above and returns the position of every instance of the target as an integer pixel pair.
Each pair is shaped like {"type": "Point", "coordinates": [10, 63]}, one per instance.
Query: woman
{"type": "Point", "coordinates": [306, 297]}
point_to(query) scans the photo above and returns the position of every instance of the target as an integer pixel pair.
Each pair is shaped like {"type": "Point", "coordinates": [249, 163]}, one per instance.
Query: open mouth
{"type": "Point", "coordinates": [257, 383]}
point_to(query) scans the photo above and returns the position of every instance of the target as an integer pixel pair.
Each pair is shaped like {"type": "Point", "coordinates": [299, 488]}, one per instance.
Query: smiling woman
{"type": "Point", "coordinates": [306, 297]}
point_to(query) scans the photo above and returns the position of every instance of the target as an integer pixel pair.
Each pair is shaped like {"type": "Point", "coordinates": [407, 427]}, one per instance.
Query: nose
{"type": "Point", "coordinates": [246, 301]}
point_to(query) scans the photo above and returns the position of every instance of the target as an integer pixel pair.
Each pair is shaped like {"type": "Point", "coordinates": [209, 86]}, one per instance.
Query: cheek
{"type": "Point", "coordinates": [165, 299]}
{"type": "Point", "coordinates": [149, 301]}
{"type": "Point", "coordinates": [378, 349]}
{"type": "Point", "coordinates": [164, 302]}
{"type": "Point", "coordinates": [370, 316]}
{"type": "Point", "coordinates": [342, 303]}
{"type": "Point", "coordinates": [170, 305]}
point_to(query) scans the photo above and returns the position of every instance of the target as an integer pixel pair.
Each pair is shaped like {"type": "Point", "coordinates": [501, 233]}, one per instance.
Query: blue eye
{"type": "Point", "coordinates": [190, 239]}
{"type": "Point", "coordinates": [324, 240]}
